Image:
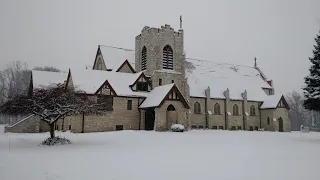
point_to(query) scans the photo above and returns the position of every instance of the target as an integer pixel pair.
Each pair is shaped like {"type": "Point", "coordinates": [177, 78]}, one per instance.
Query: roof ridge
{"type": "Point", "coordinates": [220, 63]}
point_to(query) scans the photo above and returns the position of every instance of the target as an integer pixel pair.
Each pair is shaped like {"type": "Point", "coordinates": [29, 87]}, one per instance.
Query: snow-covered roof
{"type": "Point", "coordinates": [114, 57]}
{"type": "Point", "coordinates": [156, 96]}
{"type": "Point", "coordinates": [271, 101]}
{"type": "Point", "coordinates": [220, 76]}
{"type": "Point", "coordinates": [91, 80]}
{"type": "Point", "coordinates": [45, 78]}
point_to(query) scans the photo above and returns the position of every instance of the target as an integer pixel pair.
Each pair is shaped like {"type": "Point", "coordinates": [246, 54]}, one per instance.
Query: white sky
{"type": "Point", "coordinates": [66, 33]}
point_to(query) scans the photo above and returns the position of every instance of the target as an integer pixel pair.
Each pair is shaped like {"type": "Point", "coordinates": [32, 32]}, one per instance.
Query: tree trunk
{"type": "Point", "coordinates": [52, 130]}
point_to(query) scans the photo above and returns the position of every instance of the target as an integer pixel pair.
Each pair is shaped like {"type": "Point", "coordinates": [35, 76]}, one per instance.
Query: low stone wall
{"type": "Point", "coordinates": [29, 124]}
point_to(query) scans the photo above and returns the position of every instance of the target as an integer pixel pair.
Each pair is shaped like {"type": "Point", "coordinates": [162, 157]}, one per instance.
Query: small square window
{"type": "Point", "coordinates": [172, 81]}
{"type": "Point", "coordinates": [256, 128]}
{"type": "Point", "coordinates": [233, 128]}
{"type": "Point", "coordinates": [221, 127]}
{"type": "Point", "coordinates": [194, 127]}
{"type": "Point", "coordinates": [200, 127]}
{"type": "Point", "coordinates": [69, 127]}
{"type": "Point", "coordinates": [239, 128]}
{"type": "Point", "coordinates": [160, 82]}
{"type": "Point", "coordinates": [215, 127]}
{"type": "Point", "coordinates": [251, 128]}
{"type": "Point", "coordinates": [119, 127]}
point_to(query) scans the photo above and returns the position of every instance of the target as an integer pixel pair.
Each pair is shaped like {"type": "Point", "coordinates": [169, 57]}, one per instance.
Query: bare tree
{"type": "Point", "coordinates": [297, 113]}
{"type": "Point", "coordinates": [14, 80]}
{"type": "Point", "coordinates": [51, 104]}
{"type": "Point", "coordinates": [47, 68]}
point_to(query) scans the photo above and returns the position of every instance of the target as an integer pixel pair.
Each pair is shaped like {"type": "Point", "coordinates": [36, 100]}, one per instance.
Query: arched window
{"type": "Point", "coordinates": [252, 110]}
{"type": "Point", "coordinates": [197, 108]}
{"type": "Point", "coordinates": [268, 121]}
{"type": "Point", "coordinates": [171, 108]}
{"type": "Point", "coordinates": [167, 61]}
{"type": "Point", "coordinates": [217, 109]}
{"type": "Point", "coordinates": [235, 110]}
{"type": "Point", "coordinates": [144, 58]}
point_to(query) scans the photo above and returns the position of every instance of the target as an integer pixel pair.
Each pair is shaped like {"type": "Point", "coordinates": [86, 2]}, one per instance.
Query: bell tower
{"type": "Point", "coordinates": [159, 52]}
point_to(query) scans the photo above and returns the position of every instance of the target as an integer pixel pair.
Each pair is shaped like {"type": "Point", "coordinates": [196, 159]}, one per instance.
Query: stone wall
{"type": "Point", "coordinates": [27, 125]}
{"type": "Point", "coordinates": [197, 119]}
{"type": "Point", "coordinates": [282, 113]}
{"type": "Point", "coordinates": [265, 114]}
{"type": "Point", "coordinates": [129, 119]}
{"type": "Point", "coordinates": [162, 118]}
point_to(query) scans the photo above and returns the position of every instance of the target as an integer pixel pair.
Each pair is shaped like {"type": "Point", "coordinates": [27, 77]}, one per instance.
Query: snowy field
{"type": "Point", "coordinates": [140, 155]}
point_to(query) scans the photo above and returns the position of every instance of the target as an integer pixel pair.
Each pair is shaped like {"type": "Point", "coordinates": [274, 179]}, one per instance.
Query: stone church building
{"type": "Point", "coordinates": [156, 86]}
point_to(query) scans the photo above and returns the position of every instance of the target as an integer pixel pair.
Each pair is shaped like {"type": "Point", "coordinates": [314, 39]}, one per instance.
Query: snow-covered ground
{"type": "Point", "coordinates": [141, 155]}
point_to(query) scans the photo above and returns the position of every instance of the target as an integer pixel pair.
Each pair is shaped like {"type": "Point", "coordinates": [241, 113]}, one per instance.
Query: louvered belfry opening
{"type": "Point", "coordinates": [144, 58]}
{"type": "Point", "coordinates": [167, 57]}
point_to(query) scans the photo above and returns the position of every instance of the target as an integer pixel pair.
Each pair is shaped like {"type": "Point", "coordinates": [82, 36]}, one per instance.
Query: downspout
{"type": "Point", "coordinates": [82, 122]}
{"type": "Point", "coordinates": [225, 114]}
{"type": "Point", "coordinates": [139, 119]}
{"type": "Point", "coordinates": [260, 117]}
{"type": "Point", "coordinates": [226, 94]}
{"type": "Point", "coordinates": [244, 105]}
{"type": "Point", "coordinates": [244, 116]}
{"type": "Point", "coordinates": [207, 93]}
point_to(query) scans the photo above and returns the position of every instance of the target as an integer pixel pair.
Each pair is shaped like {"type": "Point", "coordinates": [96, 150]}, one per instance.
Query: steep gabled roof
{"type": "Point", "coordinates": [272, 101]}
{"type": "Point", "coordinates": [220, 76]}
{"type": "Point", "coordinates": [45, 78]}
{"type": "Point", "coordinates": [159, 94]}
{"type": "Point", "coordinates": [91, 81]}
{"type": "Point", "coordinates": [126, 62]}
{"type": "Point", "coordinates": [114, 57]}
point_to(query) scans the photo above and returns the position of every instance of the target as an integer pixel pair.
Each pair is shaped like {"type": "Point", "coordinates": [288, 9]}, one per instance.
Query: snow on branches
{"type": "Point", "coordinates": [312, 81]}
{"type": "Point", "coordinates": [51, 104]}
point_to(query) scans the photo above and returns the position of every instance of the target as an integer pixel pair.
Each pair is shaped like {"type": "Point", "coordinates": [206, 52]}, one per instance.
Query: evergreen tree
{"type": "Point", "coordinates": [312, 81]}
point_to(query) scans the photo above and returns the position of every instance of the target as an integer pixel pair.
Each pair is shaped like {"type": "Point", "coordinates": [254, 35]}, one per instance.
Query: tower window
{"type": "Point", "coordinates": [160, 82]}
{"type": "Point", "coordinates": [144, 58]}
{"type": "Point", "coordinates": [167, 61]}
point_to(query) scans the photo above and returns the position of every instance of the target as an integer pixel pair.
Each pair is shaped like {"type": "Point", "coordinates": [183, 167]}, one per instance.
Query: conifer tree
{"type": "Point", "coordinates": [312, 81]}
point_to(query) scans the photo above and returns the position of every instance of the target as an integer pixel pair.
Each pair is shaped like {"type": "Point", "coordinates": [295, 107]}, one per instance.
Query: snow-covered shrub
{"type": "Point", "coordinates": [261, 129]}
{"type": "Point", "coordinates": [55, 141]}
{"type": "Point", "coordinates": [304, 129]}
{"type": "Point", "coordinates": [177, 128]}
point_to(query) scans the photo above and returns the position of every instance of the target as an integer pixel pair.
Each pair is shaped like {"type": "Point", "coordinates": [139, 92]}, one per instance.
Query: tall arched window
{"type": "Point", "coordinates": [217, 109]}
{"type": "Point", "coordinates": [197, 108]}
{"type": "Point", "coordinates": [144, 58]}
{"type": "Point", "coordinates": [235, 110]}
{"type": "Point", "coordinates": [252, 110]}
{"type": "Point", "coordinates": [167, 61]}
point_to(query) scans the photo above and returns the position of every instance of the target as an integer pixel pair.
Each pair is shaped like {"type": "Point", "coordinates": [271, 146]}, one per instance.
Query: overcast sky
{"type": "Point", "coordinates": [280, 33]}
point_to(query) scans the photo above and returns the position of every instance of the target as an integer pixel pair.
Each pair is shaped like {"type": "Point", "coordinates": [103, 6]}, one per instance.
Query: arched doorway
{"type": "Point", "coordinates": [280, 125]}
{"type": "Point", "coordinates": [149, 119]}
{"type": "Point", "coordinates": [172, 116]}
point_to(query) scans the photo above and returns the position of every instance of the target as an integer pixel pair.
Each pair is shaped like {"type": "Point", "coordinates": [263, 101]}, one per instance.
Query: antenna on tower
{"type": "Point", "coordinates": [180, 22]}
